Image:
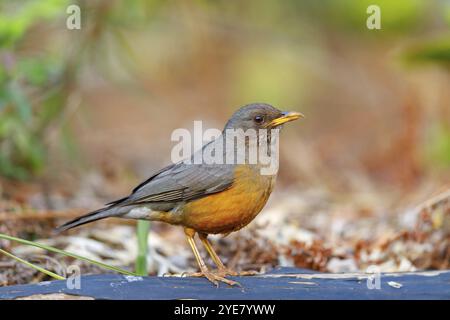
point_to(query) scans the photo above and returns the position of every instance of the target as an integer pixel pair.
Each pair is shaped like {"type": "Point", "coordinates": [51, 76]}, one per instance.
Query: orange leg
{"type": "Point", "coordinates": [204, 271]}
{"type": "Point", "coordinates": [222, 269]}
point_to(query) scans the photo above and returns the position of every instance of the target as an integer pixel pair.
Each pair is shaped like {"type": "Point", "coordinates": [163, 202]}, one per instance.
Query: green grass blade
{"type": "Point", "coordinates": [52, 249]}
{"type": "Point", "coordinates": [47, 272]}
{"type": "Point", "coordinates": [142, 230]}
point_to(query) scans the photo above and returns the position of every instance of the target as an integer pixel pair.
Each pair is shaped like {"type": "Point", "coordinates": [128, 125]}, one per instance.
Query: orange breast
{"type": "Point", "coordinates": [233, 208]}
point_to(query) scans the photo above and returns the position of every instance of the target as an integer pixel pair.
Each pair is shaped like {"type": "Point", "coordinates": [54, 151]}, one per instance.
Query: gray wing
{"type": "Point", "coordinates": [180, 182]}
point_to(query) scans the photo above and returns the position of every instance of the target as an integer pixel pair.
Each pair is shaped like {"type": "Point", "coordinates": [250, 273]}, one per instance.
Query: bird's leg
{"type": "Point", "coordinates": [222, 269]}
{"type": "Point", "coordinates": [220, 266]}
{"type": "Point", "coordinates": [214, 278]}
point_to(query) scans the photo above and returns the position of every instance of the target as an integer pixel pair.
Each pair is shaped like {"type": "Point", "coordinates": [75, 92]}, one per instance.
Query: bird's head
{"type": "Point", "coordinates": [260, 116]}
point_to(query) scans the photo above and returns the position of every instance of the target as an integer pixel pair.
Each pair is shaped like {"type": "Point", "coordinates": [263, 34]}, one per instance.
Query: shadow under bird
{"type": "Point", "coordinates": [204, 198]}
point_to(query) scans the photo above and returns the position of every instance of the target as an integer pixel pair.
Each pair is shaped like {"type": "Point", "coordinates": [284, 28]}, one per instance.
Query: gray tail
{"type": "Point", "coordinates": [90, 217]}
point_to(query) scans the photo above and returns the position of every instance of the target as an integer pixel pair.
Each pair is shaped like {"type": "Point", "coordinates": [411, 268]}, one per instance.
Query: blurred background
{"type": "Point", "coordinates": [87, 114]}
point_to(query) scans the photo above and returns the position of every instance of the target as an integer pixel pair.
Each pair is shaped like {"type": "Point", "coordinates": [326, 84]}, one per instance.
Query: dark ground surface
{"type": "Point", "coordinates": [285, 283]}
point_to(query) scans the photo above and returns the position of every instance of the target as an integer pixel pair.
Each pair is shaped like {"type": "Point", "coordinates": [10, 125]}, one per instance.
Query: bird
{"type": "Point", "coordinates": [206, 198]}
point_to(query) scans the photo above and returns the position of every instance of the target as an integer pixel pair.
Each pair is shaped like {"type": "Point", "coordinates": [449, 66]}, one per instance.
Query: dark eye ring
{"type": "Point", "coordinates": [259, 119]}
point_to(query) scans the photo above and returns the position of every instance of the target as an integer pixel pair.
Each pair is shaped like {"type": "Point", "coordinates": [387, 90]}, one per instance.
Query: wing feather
{"type": "Point", "coordinates": [180, 182]}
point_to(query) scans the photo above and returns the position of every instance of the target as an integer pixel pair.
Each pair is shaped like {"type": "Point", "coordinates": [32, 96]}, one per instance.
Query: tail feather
{"type": "Point", "coordinates": [90, 217]}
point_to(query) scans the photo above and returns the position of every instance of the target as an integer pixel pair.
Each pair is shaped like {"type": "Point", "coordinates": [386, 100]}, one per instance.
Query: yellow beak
{"type": "Point", "coordinates": [285, 117]}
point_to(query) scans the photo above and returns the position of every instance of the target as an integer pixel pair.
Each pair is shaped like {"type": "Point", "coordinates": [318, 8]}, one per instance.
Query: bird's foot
{"type": "Point", "coordinates": [229, 272]}
{"type": "Point", "coordinates": [223, 272]}
{"type": "Point", "coordinates": [214, 277]}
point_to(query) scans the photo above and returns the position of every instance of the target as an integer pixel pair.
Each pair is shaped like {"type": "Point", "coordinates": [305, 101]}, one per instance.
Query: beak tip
{"type": "Point", "coordinates": [293, 114]}
{"type": "Point", "coordinates": [287, 117]}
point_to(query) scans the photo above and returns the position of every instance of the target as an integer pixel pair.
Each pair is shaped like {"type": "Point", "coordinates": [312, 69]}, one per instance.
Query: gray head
{"type": "Point", "coordinates": [260, 116]}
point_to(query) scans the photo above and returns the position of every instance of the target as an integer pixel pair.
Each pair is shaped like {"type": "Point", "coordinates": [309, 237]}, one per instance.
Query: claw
{"type": "Point", "coordinates": [192, 274]}
{"type": "Point", "coordinates": [229, 272]}
{"type": "Point", "coordinates": [215, 278]}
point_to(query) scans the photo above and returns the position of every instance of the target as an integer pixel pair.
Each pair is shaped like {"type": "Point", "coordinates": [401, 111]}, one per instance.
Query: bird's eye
{"type": "Point", "coordinates": [259, 119]}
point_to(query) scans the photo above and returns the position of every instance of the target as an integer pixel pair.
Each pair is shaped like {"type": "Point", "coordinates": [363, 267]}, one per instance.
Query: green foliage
{"type": "Point", "coordinates": [447, 13]}
{"type": "Point", "coordinates": [34, 87]}
{"type": "Point", "coordinates": [439, 149]}
{"type": "Point", "coordinates": [397, 16]}
{"type": "Point", "coordinates": [29, 97]}
{"type": "Point", "coordinates": [16, 19]}
{"type": "Point", "coordinates": [436, 51]}
{"type": "Point", "coordinates": [142, 231]}
{"type": "Point", "coordinates": [24, 116]}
